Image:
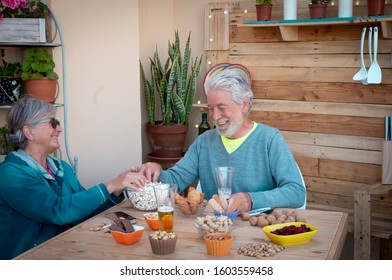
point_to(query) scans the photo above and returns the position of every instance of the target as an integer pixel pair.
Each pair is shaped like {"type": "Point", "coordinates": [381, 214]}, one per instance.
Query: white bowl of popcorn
{"type": "Point", "coordinates": [143, 199]}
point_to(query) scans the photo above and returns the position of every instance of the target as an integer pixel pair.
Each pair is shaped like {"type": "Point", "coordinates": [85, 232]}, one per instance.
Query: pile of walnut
{"type": "Point", "coordinates": [259, 250]}
{"type": "Point", "coordinates": [188, 205]}
{"type": "Point", "coordinates": [277, 216]}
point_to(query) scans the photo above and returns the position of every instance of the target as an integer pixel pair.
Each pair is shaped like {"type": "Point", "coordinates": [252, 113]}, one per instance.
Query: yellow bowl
{"type": "Point", "coordinates": [290, 239]}
{"type": "Point", "coordinates": [128, 238]}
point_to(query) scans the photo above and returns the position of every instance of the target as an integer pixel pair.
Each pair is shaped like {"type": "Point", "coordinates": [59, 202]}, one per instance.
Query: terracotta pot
{"type": "Point", "coordinates": [264, 11]}
{"type": "Point", "coordinates": [376, 7]}
{"type": "Point", "coordinates": [44, 89]}
{"type": "Point", "coordinates": [167, 141]}
{"type": "Point", "coordinates": [318, 10]}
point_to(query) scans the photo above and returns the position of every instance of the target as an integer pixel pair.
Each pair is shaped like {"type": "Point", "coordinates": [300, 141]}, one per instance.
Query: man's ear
{"type": "Point", "coordinates": [246, 105]}
{"type": "Point", "coordinates": [28, 133]}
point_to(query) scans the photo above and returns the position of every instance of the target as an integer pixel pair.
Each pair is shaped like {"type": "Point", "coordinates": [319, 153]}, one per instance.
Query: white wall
{"type": "Point", "coordinates": [102, 72]}
{"type": "Point", "coordinates": [103, 43]}
{"type": "Point", "coordinates": [158, 20]}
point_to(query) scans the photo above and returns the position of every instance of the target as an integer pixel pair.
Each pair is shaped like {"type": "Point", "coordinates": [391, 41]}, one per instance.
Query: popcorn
{"type": "Point", "coordinates": [143, 199]}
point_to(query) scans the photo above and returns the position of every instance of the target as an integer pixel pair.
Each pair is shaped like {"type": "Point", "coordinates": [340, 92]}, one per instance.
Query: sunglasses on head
{"type": "Point", "coordinates": [52, 121]}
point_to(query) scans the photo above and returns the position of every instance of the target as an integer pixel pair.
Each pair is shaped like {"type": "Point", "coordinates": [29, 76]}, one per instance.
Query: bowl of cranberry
{"type": "Point", "coordinates": [290, 233]}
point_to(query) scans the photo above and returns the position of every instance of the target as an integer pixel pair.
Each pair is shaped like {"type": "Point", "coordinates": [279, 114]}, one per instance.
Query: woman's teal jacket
{"type": "Point", "coordinates": [35, 207]}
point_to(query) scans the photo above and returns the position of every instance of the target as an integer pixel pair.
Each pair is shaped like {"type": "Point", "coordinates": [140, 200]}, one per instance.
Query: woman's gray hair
{"type": "Point", "coordinates": [234, 81]}
{"type": "Point", "coordinates": [26, 111]}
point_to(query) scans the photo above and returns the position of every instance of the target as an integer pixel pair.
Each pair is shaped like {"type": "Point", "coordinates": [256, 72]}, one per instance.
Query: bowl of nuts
{"type": "Point", "coordinates": [162, 242]}
{"type": "Point", "coordinates": [152, 220]}
{"type": "Point", "coordinates": [210, 224]}
{"type": "Point", "coordinates": [290, 233]}
{"type": "Point", "coordinates": [218, 244]}
{"type": "Point", "coordinates": [143, 199]}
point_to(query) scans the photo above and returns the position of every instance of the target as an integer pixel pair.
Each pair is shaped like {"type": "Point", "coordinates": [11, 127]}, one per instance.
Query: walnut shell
{"type": "Point", "coordinates": [253, 220]}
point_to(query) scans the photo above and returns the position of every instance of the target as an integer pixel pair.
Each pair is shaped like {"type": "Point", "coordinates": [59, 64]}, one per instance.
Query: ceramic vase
{"type": "Point", "coordinates": [345, 8]}
{"type": "Point", "coordinates": [290, 9]}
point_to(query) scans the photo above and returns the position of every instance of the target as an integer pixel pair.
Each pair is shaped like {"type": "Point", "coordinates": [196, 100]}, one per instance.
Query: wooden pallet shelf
{"type": "Point", "coordinates": [289, 28]}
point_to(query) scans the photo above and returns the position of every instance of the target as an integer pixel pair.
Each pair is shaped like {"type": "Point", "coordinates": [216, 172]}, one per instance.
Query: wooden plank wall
{"type": "Point", "coordinates": [334, 125]}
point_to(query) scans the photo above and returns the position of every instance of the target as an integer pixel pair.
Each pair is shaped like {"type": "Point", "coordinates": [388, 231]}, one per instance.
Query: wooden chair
{"type": "Point", "coordinates": [373, 222]}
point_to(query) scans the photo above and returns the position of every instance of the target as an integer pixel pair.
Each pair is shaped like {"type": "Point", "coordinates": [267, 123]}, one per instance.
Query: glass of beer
{"type": "Point", "coordinates": [165, 195]}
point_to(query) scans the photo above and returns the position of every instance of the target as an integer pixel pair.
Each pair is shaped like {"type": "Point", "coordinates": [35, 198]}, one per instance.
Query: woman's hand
{"type": "Point", "coordinates": [127, 179]}
{"type": "Point", "coordinates": [151, 171]}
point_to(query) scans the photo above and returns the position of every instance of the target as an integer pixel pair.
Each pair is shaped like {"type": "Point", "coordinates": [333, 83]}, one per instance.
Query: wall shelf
{"type": "Point", "coordinates": [289, 28]}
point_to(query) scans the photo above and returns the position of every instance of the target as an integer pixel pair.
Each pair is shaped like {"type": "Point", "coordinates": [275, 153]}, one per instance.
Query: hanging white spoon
{"type": "Point", "coordinates": [365, 81]}
{"type": "Point", "coordinates": [374, 73]}
{"type": "Point", "coordinates": [370, 44]}
{"type": "Point", "coordinates": [361, 75]}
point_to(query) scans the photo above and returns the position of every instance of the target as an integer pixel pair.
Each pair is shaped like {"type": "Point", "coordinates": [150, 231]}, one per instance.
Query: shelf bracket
{"type": "Point", "coordinates": [289, 33]}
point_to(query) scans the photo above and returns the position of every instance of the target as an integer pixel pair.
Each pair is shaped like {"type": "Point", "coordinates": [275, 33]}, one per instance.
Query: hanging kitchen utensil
{"type": "Point", "coordinates": [365, 81]}
{"type": "Point", "coordinates": [370, 44]}
{"type": "Point", "coordinates": [361, 75]}
{"type": "Point", "coordinates": [374, 72]}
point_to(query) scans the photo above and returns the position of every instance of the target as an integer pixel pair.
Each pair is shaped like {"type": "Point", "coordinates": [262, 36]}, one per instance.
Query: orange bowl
{"type": "Point", "coordinates": [152, 220]}
{"type": "Point", "coordinates": [128, 238]}
{"type": "Point", "coordinates": [218, 244]}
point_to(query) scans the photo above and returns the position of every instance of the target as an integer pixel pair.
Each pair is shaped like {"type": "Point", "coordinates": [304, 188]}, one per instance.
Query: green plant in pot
{"type": "Point", "coordinates": [39, 75]}
{"type": "Point", "coordinates": [172, 87]}
{"type": "Point", "coordinates": [10, 81]}
{"type": "Point", "coordinates": [264, 9]}
{"type": "Point", "coordinates": [5, 147]}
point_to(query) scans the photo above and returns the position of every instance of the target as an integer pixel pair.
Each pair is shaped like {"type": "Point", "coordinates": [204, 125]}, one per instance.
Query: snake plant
{"type": "Point", "coordinates": [174, 84]}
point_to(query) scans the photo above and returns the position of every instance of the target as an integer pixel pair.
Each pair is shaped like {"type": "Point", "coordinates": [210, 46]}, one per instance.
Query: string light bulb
{"type": "Point", "coordinates": [357, 3]}
{"type": "Point", "coordinates": [210, 16]}
{"type": "Point", "coordinates": [245, 11]}
{"type": "Point", "coordinates": [333, 3]}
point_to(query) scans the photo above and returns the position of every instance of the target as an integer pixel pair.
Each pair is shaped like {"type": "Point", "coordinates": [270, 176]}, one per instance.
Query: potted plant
{"type": "Point", "coordinates": [318, 8]}
{"type": "Point", "coordinates": [28, 15]}
{"type": "Point", "coordinates": [264, 9]}
{"type": "Point", "coordinates": [376, 7]}
{"type": "Point", "coordinates": [38, 74]}
{"type": "Point", "coordinates": [173, 87]}
{"type": "Point", "coordinates": [5, 146]}
{"type": "Point", "coordinates": [10, 81]}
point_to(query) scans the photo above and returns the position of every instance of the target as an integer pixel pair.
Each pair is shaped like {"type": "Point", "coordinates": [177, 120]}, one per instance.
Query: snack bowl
{"type": "Point", "coordinates": [190, 210]}
{"type": "Point", "coordinates": [212, 224]}
{"type": "Point", "coordinates": [291, 239]}
{"type": "Point", "coordinates": [218, 244]}
{"type": "Point", "coordinates": [128, 238]}
{"type": "Point", "coordinates": [162, 242]}
{"type": "Point", "coordinates": [144, 199]}
{"type": "Point", "coordinates": [152, 220]}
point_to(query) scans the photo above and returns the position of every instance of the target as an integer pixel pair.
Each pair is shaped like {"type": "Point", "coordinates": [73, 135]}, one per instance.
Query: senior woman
{"type": "Point", "coordinates": [39, 194]}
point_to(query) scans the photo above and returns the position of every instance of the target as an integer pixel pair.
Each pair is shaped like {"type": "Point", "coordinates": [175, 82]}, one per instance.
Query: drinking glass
{"type": "Point", "coordinates": [223, 180]}
{"type": "Point", "coordinates": [165, 195]}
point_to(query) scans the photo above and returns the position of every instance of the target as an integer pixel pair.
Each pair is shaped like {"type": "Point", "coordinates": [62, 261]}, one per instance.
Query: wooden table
{"type": "Point", "coordinates": [82, 242]}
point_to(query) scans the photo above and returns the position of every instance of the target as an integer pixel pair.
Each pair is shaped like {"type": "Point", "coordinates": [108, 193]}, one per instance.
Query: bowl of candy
{"type": "Point", "coordinates": [124, 232]}
{"type": "Point", "coordinates": [290, 233]}
{"type": "Point", "coordinates": [210, 224]}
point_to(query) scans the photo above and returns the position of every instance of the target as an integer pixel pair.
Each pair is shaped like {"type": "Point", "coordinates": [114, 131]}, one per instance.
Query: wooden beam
{"type": "Point", "coordinates": [362, 225]}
